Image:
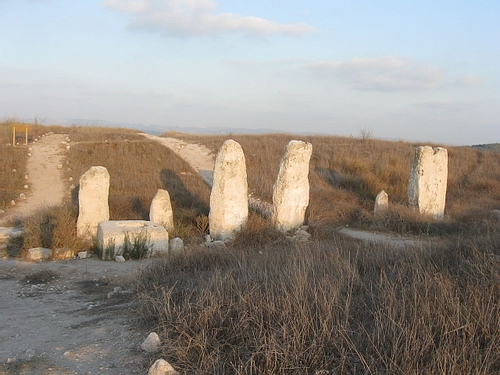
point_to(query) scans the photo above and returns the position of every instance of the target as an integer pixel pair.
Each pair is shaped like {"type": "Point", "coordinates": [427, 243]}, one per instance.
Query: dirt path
{"type": "Point", "coordinates": [46, 187]}
{"type": "Point", "coordinates": [198, 156]}
{"type": "Point", "coordinates": [57, 318]}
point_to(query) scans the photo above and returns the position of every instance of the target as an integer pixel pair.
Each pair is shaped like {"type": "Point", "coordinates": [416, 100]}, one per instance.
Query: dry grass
{"type": "Point", "coordinates": [347, 173]}
{"type": "Point", "coordinates": [333, 305]}
{"type": "Point", "coordinates": [336, 306]}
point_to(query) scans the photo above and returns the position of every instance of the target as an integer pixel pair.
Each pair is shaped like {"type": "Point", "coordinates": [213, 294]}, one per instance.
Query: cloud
{"type": "Point", "coordinates": [197, 17]}
{"type": "Point", "coordinates": [384, 73]}
{"type": "Point", "coordinates": [470, 80]}
{"type": "Point", "coordinates": [447, 105]}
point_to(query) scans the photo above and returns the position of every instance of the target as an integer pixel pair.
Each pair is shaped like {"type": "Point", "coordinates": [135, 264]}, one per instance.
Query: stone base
{"type": "Point", "coordinates": [119, 237]}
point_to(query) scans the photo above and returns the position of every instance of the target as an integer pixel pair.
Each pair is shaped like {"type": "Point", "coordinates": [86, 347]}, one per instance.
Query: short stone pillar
{"type": "Point", "coordinates": [291, 189]}
{"type": "Point", "coordinates": [160, 211]}
{"type": "Point", "coordinates": [92, 201]}
{"type": "Point", "coordinates": [381, 203]}
{"type": "Point", "coordinates": [428, 179]}
{"type": "Point", "coordinates": [229, 196]}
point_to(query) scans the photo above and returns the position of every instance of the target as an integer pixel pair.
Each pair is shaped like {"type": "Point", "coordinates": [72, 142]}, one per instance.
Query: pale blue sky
{"type": "Point", "coordinates": [426, 71]}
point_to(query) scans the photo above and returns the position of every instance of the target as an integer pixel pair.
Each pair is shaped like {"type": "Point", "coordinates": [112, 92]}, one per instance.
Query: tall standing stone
{"type": "Point", "coordinates": [428, 179]}
{"type": "Point", "coordinates": [92, 201]}
{"type": "Point", "coordinates": [291, 189]}
{"type": "Point", "coordinates": [229, 196]}
{"type": "Point", "coordinates": [381, 203]}
{"type": "Point", "coordinates": [160, 211]}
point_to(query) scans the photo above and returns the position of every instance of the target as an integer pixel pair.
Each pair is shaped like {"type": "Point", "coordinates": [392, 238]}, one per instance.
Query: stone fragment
{"type": "Point", "coordinates": [176, 245]}
{"type": "Point", "coordinates": [152, 344]}
{"type": "Point", "coordinates": [428, 179]}
{"type": "Point", "coordinates": [160, 211]}
{"type": "Point", "coordinates": [116, 237]}
{"type": "Point", "coordinates": [82, 255]}
{"type": "Point", "coordinates": [229, 196]}
{"type": "Point", "coordinates": [162, 367]}
{"type": "Point", "coordinates": [92, 201]}
{"type": "Point", "coordinates": [119, 259]}
{"type": "Point", "coordinates": [381, 203]}
{"type": "Point", "coordinates": [38, 254]}
{"type": "Point", "coordinates": [291, 189]}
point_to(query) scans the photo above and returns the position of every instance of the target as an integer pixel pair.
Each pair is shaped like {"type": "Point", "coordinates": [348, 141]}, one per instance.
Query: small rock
{"type": "Point", "coordinates": [14, 171]}
{"type": "Point", "coordinates": [12, 202]}
{"type": "Point", "coordinates": [152, 343]}
{"type": "Point", "coordinates": [120, 259]}
{"type": "Point", "coordinates": [59, 166]}
{"type": "Point", "coordinates": [38, 254]}
{"type": "Point", "coordinates": [82, 255]}
{"type": "Point", "coordinates": [29, 154]}
{"type": "Point", "coordinates": [1, 211]}
{"type": "Point", "coordinates": [162, 367]}
{"type": "Point", "coordinates": [26, 186]}
{"type": "Point", "coordinates": [70, 179]}
{"type": "Point", "coordinates": [22, 196]}
{"type": "Point", "coordinates": [68, 147]}
{"type": "Point", "coordinates": [26, 177]}
{"type": "Point", "coordinates": [176, 244]}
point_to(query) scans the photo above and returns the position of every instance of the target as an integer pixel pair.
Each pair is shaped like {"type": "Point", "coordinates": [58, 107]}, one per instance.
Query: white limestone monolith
{"type": "Point", "coordinates": [92, 201]}
{"type": "Point", "coordinates": [428, 179]}
{"type": "Point", "coordinates": [291, 189]}
{"type": "Point", "coordinates": [229, 196]}
{"type": "Point", "coordinates": [381, 203]}
{"type": "Point", "coordinates": [160, 211]}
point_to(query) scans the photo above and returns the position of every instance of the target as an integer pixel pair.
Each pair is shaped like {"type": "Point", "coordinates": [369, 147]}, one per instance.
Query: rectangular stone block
{"type": "Point", "coordinates": [117, 237]}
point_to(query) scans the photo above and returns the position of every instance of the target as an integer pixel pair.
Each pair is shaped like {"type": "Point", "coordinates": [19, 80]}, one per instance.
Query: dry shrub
{"type": "Point", "coordinates": [337, 306]}
{"type": "Point", "coordinates": [51, 227]}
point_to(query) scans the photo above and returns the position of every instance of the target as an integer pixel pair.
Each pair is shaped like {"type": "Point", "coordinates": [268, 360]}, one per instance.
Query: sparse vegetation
{"type": "Point", "coordinates": [332, 305]}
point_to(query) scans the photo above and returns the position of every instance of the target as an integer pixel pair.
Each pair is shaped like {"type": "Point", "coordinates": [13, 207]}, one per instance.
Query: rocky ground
{"type": "Point", "coordinates": [66, 317]}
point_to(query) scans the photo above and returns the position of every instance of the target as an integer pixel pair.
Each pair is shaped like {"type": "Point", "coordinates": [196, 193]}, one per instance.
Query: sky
{"type": "Point", "coordinates": [422, 71]}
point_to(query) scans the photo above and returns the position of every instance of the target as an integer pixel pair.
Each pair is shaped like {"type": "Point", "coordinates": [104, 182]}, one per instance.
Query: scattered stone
{"type": "Point", "coordinates": [26, 186]}
{"type": "Point", "coordinates": [229, 196]}
{"type": "Point", "coordinates": [92, 201]}
{"type": "Point", "coordinates": [291, 189]}
{"type": "Point", "coordinates": [82, 255]}
{"type": "Point", "coordinates": [29, 154]}
{"type": "Point", "coordinates": [428, 179]}
{"type": "Point", "coordinates": [162, 367]}
{"type": "Point", "coordinates": [70, 179]}
{"type": "Point", "coordinates": [2, 211]}
{"type": "Point", "coordinates": [38, 254]}
{"type": "Point", "coordinates": [176, 245]}
{"type": "Point", "coordinates": [381, 203]}
{"type": "Point", "coordinates": [152, 344]}
{"type": "Point", "coordinates": [59, 166]}
{"type": "Point", "coordinates": [114, 236]}
{"type": "Point", "coordinates": [495, 214]}
{"type": "Point", "coordinates": [68, 147]}
{"type": "Point", "coordinates": [22, 196]}
{"type": "Point", "coordinates": [160, 211]}
{"type": "Point", "coordinates": [14, 170]}
{"type": "Point", "coordinates": [26, 177]}
{"type": "Point", "coordinates": [120, 259]}
{"type": "Point", "coordinates": [13, 202]}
